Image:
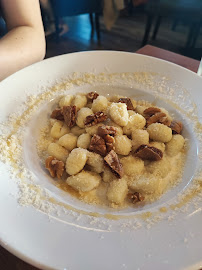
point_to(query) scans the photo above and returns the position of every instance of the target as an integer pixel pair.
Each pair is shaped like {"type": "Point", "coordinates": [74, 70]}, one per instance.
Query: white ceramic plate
{"type": "Point", "coordinates": [144, 238]}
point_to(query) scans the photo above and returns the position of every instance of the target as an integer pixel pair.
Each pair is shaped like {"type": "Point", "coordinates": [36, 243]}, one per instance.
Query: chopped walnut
{"type": "Point", "coordinates": [98, 145]}
{"type": "Point", "coordinates": [106, 130]}
{"type": "Point", "coordinates": [151, 111]}
{"type": "Point", "coordinates": [128, 103]}
{"type": "Point", "coordinates": [69, 113]}
{"type": "Point", "coordinates": [94, 119]}
{"type": "Point", "coordinates": [57, 114]}
{"type": "Point", "coordinates": [109, 141]}
{"type": "Point", "coordinates": [114, 163]}
{"type": "Point", "coordinates": [165, 120]}
{"type": "Point", "coordinates": [92, 95]}
{"type": "Point", "coordinates": [176, 127]}
{"type": "Point", "coordinates": [155, 118]}
{"type": "Point", "coordinates": [136, 197]}
{"type": "Point", "coordinates": [55, 167]}
{"type": "Point", "coordinates": [148, 152]}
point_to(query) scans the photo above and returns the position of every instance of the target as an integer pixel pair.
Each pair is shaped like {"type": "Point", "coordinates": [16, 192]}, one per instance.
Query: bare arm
{"type": "Point", "coordinates": [24, 43]}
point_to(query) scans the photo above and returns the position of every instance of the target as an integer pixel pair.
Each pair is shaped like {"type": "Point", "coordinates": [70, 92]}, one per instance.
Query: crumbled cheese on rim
{"type": "Point", "coordinates": [11, 139]}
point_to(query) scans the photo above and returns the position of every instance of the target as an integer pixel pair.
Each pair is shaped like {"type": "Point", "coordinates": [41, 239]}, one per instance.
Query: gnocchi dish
{"type": "Point", "coordinates": [113, 151]}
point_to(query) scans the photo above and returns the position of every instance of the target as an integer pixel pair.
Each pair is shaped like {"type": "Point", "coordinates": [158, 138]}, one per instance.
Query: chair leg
{"type": "Point", "coordinates": [97, 26]}
{"type": "Point", "coordinates": [174, 25]}
{"type": "Point", "coordinates": [57, 30]}
{"type": "Point", "coordinates": [91, 21]}
{"type": "Point", "coordinates": [195, 35]}
{"type": "Point", "coordinates": [190, 36]}
{"type": "Point", "coordinates": [130, 8]}
{"type": "Point", "coordinates": [158, 22]}
{"type": "Point", "coordinates": [147, 30]}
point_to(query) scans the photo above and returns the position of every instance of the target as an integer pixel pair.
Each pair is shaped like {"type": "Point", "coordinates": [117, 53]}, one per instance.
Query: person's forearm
{"type": "Point", "coordinates": [20, 48]}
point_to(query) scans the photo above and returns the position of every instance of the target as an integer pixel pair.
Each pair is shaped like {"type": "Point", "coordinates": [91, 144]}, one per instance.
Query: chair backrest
{"type": "Point", "coordinates": [64, 8]}
{"type": "Point", "coordinates": [192, 9]}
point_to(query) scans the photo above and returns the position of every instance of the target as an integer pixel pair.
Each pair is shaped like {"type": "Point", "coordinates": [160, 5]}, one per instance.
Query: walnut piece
{"type": "Point", "coordinates": [98, 145]}
{"type": "Point", "coordinates": [165, 120]}
{"type": "Point", "coordinates": [106, 130]}
{"type": "Point", "coordinates": [57, 114]}
{"type": "Point", "coordinates": [156, 118]}
{"type": "Point", "coordinates": [151, 111]}
{"type": "Point", "coordinates": [69, 113]}
{"type": "Point", "coordinates": [109, 141]}
{"type": "Point", "coordinates": [136, 197]}
{"type": "Point", "coordinates": [94, 119]}
{"type": "Point", "coordinates": [154, 115]}
{"type": "Point", "coordinates": [146, 152]}
{"type": "Point", "coordinates": [55, 167]}
{"type": "Point", "coordinates": [114, 163]}
{"type": "Point", "coordinates": [128, 103]}
{"type": "Point", "coordinates": [176, 127]}
{"type": "Point", "coordinates": [92, 95]}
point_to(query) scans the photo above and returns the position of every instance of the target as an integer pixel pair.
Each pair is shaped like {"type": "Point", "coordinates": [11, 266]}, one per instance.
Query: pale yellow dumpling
{"type": "Point", "coordinates": [76, 161]}
{"type": "Point", "coordinates": [68, 141]}
{"type": "Point", "coordinates": [132, 165]}
{"type": "Point", "coordinates": [84, 141]}
{"type": "Point", "coordinates": [93, 130]}
{"type": "Point", "coordinates": [58, 151]}
{"type": "Point", "coordinates": [119, 114]}
{"type": "Point", "coordinates": [175, 145]}
{"type": "Point", "coordinates": [139, 137]}
{"type": "Point", "coordinates": [140, 109]}
{"type": "Point", "coordinates": [84, 181]}
{"type": "Point", "coordinates": [77, 130]}
{"type": "Point", "coordinates": [123, 145]}
{"type": "Point", "coordinates": [100, 104]}
{"type": "Point", "coordinates": [81, 116]}
{"type": "Point", "coordinates": [117, 191]}
{"type": "Point", "coordinates": [159, 145]}
{"type": "Point", "coordinates": [66, 100]}
{"type": "Point", "coordinates": [108, 176]}
{"type": "Point", "coordinates": [79, 101]}
{"type": "Point", "coordinates": [59, 129]}
{"type": "Point", "coordinates": [159, 132]}
{"type": "Point", "coordinates": [96, 162]}
{"type": "Point", "coordinates": [146, 184]}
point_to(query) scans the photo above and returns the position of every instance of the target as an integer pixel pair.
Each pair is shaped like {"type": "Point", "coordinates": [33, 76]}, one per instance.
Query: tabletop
{"type": "Point", "coordinates": [9, 261]}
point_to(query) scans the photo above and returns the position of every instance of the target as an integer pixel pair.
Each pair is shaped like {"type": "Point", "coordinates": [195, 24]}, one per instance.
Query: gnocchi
{"type": "Point", "coordinates": [117, 191]}
{"type": "Point", "coordinates": [79, 101]}
{"type": "Point", "coordinates": [108, 176]}
{"type": "Point", "coordinates": [132, 165]}
{"type": "Point", "coordinates": [59, 129]}
{"type": "Point", "coordinates": [58, 151]}
{"type": "Point", "coordinates": [77, 130]}
{"type": "Point", "coordinates": [96, 162]}
{"type": "Point", "coordinates": [123, 145]}
{"type": "Point", "coordinates": [119, 114]}
{"type": "Point", "coordinates": [118, 153]}
{"type": "Point", "coordinates": [84, 181]}
{"type": "Point", "coordinates": [81, 116]}
{"type": "Point", "coordinates": [68, 141]}
{"type": "Point", "coordinates": [66, 100]}
{"type": "Point", "coordinates": [139, 136]}
{"type": "Point", "coordinates": [175, 145]}
{"type": "Point", "coordinates": [84, 141]}
{"type": "Point", "coordinates": [76, 161]}
{"type": "Point", "coordinates": [159, 132]}
{"type": "Point", "coordinates": [100, 104]}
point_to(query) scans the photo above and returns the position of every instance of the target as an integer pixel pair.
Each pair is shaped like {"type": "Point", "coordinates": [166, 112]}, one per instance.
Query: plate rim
{"type": "Point", "coordinates": [11, 249]}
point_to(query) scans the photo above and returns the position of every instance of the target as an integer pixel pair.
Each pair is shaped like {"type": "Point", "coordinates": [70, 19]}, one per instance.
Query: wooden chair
{"type": "Point", "coordinates": [63, 8]}
{"type": "Point", "coordinates": [189, 10]}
